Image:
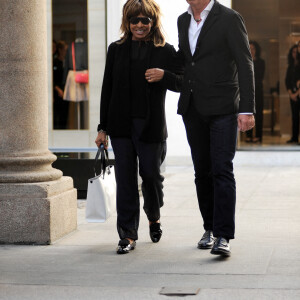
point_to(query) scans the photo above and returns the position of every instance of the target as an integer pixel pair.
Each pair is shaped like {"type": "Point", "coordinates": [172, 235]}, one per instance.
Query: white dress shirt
{"type": "Point", "coordinates": [195, 28]}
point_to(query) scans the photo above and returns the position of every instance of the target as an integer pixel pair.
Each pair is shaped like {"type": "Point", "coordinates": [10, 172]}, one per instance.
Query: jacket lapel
{"type": "Point", "coordinates": [123, 60]}
{"type": "Point", "coordinates": [185, 34]}
{"type": "Point", "coordinates": [209, 22]}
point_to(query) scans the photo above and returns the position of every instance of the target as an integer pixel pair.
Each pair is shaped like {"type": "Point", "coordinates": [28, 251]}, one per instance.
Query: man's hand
{"type": "Point", "coordinates": [154, 75]}
{"type": "Point", "coordinates": [245, 122]}
{"type": "Point", "coordinates": [101, 139]}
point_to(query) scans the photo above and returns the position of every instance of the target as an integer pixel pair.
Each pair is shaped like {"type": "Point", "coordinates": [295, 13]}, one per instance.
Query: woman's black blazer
{"type": "Point", "coordinates": [115, 108]}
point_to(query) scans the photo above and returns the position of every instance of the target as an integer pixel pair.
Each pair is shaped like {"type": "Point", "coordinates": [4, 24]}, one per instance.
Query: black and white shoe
{"type": "Point", "coordinates": [207, 240]}
{"type": "Point", "coordinates": [221, 247]}
{"type": "Point", "coordinates": [125, 246]}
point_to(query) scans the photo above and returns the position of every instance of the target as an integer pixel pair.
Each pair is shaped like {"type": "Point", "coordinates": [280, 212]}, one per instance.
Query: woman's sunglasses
{"type": "Point", "coordinates": [136, 20]}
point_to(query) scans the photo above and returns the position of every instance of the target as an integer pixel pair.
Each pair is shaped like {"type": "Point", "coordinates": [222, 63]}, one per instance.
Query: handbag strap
{"type": "Point", "coordinates": [73, 56]}
{"type": "Point", "coordinates": [103, 153]}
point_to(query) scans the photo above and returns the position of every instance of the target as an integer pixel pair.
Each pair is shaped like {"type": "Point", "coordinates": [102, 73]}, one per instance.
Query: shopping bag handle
{"type": "Point", "coordinates": [103, 153]}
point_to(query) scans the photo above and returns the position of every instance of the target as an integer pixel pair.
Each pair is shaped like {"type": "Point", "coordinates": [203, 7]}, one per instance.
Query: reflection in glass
{"type": "Point", "coordinates": [70, 60]}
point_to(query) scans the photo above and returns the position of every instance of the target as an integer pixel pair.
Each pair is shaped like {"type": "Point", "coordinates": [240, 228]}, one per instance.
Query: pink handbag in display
{"type": "Point", "coordinates": [81, 76]}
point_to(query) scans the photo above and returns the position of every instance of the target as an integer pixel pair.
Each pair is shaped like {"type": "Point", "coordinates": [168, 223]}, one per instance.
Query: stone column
{"type": "Point", "coordinates": [37, 204]}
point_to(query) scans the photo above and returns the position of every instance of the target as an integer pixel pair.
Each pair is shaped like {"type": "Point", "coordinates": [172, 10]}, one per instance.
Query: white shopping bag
{"type": "Point", "coordinates": [101, 193]}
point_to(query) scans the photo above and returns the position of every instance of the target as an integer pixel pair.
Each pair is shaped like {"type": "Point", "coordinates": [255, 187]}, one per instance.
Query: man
{"type": "Point", "coordinates": [217, 97]}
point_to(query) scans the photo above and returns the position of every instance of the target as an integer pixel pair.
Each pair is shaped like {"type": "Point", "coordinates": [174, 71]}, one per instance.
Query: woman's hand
{"type": "Point", "coordinates": [154, 75]}
{"type": "Point", "coordinates": [101, 139]}
{"type": "Point", "coordinates": [60, 92]}
{"type": "Point", "coordinates": [294, 96]}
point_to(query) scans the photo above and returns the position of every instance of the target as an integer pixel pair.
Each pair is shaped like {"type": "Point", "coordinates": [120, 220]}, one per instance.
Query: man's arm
{"type": "Point", "coordinates": [173, 75]}
{"type": "Point", "coordinates": [239, 46]}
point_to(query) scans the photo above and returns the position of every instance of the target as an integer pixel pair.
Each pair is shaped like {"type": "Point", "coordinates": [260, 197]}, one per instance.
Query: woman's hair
{"type": "Point", "coordinates": [149, 8]}
{"type": "Point", "coordinates": [290, 55]}
{"type": "Point", "coordinates": [61, 45]}
{"type": "Point", "coordinates": [257, 48]}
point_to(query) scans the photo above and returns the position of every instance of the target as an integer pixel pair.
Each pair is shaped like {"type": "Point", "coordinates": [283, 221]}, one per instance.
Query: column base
{"type": "Point", "coordinates": [37, 213]}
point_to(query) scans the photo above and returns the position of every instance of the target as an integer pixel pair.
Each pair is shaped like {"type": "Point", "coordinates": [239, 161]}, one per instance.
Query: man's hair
{"type": "Point", "coordinates": [149, 8]}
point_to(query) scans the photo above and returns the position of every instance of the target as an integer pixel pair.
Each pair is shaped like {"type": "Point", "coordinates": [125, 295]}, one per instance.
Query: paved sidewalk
{"type": "Point", "coordinates": [265, 261]}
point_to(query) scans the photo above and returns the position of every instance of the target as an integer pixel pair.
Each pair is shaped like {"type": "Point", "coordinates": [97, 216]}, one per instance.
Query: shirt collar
{"type": "Point", "coordinates": [207, 8]}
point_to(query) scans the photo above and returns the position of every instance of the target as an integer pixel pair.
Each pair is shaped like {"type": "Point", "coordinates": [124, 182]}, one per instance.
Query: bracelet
{"type": "Point", "coordinates": [101, 131]}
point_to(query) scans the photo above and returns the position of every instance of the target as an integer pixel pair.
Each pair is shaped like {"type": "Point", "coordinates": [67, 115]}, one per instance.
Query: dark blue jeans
{"type": "Point", "coordinates": [213, 144]}
{"type": "Point", "coordinates": [131, 153]}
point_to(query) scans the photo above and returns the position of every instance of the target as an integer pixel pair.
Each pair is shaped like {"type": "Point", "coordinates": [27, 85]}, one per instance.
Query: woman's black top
{"type": "Point", "coordinates": [58, 73]}
{"type": "Point", "coordinates": [259, 72]}
{"type": "Point", "coordinates": [126, 93]}
{"type": "Point", "coordinates": [138, 66]}
{"type": "Point", "coordinates": [291, 78]}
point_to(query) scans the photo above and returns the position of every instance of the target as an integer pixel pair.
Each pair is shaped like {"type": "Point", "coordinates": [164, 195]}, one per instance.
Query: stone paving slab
{"type": "Point", "coordinates": [264, 264]}
{"type": "Point", "coordinates": [23, 292]}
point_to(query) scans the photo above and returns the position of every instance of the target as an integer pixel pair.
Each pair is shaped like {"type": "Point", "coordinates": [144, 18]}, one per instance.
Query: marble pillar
{"type": "Point", "coordinates": [37, 204]}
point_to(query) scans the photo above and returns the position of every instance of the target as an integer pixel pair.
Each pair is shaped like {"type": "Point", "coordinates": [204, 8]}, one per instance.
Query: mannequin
{"type": "Point", "coordinates": [76, 92]}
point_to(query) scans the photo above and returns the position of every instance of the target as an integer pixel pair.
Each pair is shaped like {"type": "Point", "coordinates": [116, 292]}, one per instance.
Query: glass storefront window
{"type": "Point", "coordinates": [274, 26]}
{"type": "Point", "coordinates": [70, 60]}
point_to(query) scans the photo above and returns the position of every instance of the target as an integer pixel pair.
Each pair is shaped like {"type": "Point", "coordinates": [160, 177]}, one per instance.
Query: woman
{"type": "Point", "coordinates": [60, 107]}
{"type": "Point", "coordinates": [298, 45]}
{"type": "Point", "coordinates": [139, 69]}
{"type": "Point", "coordinates": [259, 72]}
{"type": "Point", "coordinates": [292, 85]}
